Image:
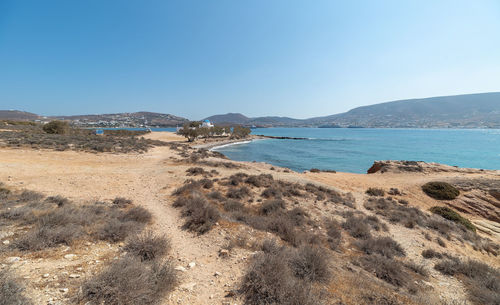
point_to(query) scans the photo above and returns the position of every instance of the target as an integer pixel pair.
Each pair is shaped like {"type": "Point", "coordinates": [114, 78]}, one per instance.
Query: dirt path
{"type": "Point", "coordinates": [148, 180]}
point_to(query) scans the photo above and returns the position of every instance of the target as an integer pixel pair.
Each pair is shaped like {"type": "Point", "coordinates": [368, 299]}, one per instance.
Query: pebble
{"type": "Point", "coordinates": [70, 256]}
{"type": "Point", "coordinates": [224, 253]}
{"type": "Point", "coordinates": [180, 268]}
{"type": "Point", "coordinates": [13, 259]}
{"type": "Point", "coordinates": [79, 269]}
{"type": "Point", "coordinates": [188, 286]}
{"type": "Point", "coordinates": [46, 275]}
{"type": "Point", "coordinates": [217, 273]}
{"type": "Point", "coordinates": [6, 242]}
{"type": "Point", "coordinates": [63, 290]}
{"type": "Point", "coordinates": [74, 276]}
{"type": "Point", "coordinates": [191, 265]}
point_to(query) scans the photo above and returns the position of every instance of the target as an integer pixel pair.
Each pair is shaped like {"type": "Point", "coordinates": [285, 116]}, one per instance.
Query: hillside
{"type": "Point", "coordinates": [469, 110]}
{"type": "Point", "coordinates": [136, 119]}
{"type": "Point", "coordinates": [18, 115]}
{"type": "Point", "coordinates": [480, 110]}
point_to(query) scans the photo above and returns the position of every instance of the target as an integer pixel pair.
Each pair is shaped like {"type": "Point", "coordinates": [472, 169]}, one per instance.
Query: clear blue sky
{"type": "Point", "coordinates": [260, 57]}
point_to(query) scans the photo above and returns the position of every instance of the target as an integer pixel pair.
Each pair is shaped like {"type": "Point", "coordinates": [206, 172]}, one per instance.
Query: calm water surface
{"type": "Point", "coordinates": [355, 149]}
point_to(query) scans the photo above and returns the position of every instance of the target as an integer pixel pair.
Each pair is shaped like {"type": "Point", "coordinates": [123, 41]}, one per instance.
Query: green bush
{"type": "Point", "coordinates": [450, 214]}
{"type": "Point", "coordinates": [440, 190]}
{"type": "Point", "coordinates": [56, 127]}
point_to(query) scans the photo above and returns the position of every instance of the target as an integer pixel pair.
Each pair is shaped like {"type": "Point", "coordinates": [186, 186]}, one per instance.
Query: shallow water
{"type": "Point", "coordinates": [355, 149]}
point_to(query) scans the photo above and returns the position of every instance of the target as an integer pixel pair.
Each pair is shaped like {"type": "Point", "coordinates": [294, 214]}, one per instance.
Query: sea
{"type": "Point", "coordinates": [355, 149]}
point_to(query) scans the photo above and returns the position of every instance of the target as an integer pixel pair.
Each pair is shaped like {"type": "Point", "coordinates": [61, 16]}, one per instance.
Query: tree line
{"type": "Point", "coordinates": [194, 130]}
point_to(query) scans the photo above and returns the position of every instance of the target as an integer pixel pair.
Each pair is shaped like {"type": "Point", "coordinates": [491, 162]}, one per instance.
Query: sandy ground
{"type": "Point", "coordinates": [148, 179]}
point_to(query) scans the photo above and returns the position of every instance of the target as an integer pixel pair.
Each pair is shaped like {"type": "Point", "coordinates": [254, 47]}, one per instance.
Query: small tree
{"type": "Point", "coordinates": [56, 127]}
{"type": "Point", "coordinates": [189, 132]}
{"type": "Point", "coordinates": [240, 132]}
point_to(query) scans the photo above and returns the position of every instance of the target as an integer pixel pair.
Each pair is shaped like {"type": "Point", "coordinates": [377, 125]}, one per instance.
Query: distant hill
{"type": "Point", "coordinates": [134, 119]}
{"type": "Point", "coordinates": [468, 110]}
{"type": "Point", "coordinates": [127, 119]}
{"type": "Point", "coordinates": [480, 110]}
{"type": "Point", "coordinates": [228, 118]}
{"type": "Point", "coordinates": [16, 115]}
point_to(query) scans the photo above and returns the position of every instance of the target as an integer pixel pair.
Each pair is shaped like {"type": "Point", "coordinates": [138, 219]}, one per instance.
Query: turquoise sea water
{"type": "Point", "coordinates": [354, 150]}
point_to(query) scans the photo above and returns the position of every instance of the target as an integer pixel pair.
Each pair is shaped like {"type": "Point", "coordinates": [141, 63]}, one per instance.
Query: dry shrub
{"type": "Point", "coordinates": [137, 214]}
{"type": "Point", "coordinates": [200, 215]}
{"type": "Point", "coordinates": [4, 192]}
{"type": "Point", "coordinates": [147, 246]}
{"type": "Point", "coordinates": [284, 228]}
{"type": "Point", "coordinates": [298, 216]}
{"type": "Point", "coordinates": [233, 206]}
{"type": "Point", "coordinates": [310, 264]}
{"type": "Point", "coordinates": [387, 269]}
{"type": "Point", "coordinates": [333, 231]}
{"type": "Point", "coordinates": [206, 183]}
{"type": "Point", "coordinates": [357, 227]}
{"type": "Point", "coordinates": [194, 171]}
{"type": "Point", "coordinates": [115, 230]}
{"type": "Point", "coordinates": [130, 281]}
{"type": "Point", "coordinates": [216, 196]}
{"type": "Point", "coordinates": [187, 188]}
{"type": "Point", "coordinates": [270, 246]}
{"type": "Point", "coordinates": [262, 180]}
{"type": "Point", "coordinates": [238, 193]}
{"type": "Point", "coordinates": [444, 227]}
{"type": "Point", "coordinates": [27, 195]}
{"type": "Point", "coordinates": [441, 242]}
{"type": "Point", "coordinates": [122, 202]}
{"type": "Point", "coordinates": [440, 190]}
{"type": "Point", "coordinates": [236, 179]}
{"type": "Point", "coordinates": [395, 213]}
{"type": "Point", "coordinates": [272, 206]}
{"type": "Point", "coordinates": [429, 253]}
{"type": "Point", "coordinates": [63, 225]}
{"type": "Point", "coordinates": [41, 237]}
{"type": "Point", "coordinates": [384, 246]}
{"type": "Point", "coordinates": [269, 280]}
{"type": "Point", "coordinates": [419, 269]}
{"type": "Point", "coordinates": [59, 200]}
{"type": "Point", "coordinates": [272, 192]}
{"type": "Point", "coordinates": [11, 291]}
{"type": "Point", "coordinates": [481, 280]}
{"type": "Point", "coordinates": [451, 215]}
{"type": "Point", "coordinates": [373, 191]}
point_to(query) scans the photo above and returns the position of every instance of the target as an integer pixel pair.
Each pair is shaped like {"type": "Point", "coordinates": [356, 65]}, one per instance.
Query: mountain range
{"type": "Point", "coordinates": [481, 110]}
{"type": "Point", "coordinates": [459, 111]}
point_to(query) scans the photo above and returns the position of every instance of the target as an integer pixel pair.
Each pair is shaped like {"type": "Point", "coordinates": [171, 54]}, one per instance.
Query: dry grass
{"type": "Point", "coordinates": [270, 280]}
{"type": "Point", "coordinates": [384, 246]}
{"type": "Point", "coordinates": [56, 221]}
{"type": "Point", "coordinates": [200, 215]}
{"type": "Point", "coordinates": [12, 292]}
{"type": "Point", "coordinates": [373, 191]}
{"type": "Point", "coordinates": [130, 281]}
{"type": "Point", "coordinates": [481, 280]}
{"type": "Point", "coordinates": [76, 139]}
{"type": "Point", "coordinates": [147, 246]}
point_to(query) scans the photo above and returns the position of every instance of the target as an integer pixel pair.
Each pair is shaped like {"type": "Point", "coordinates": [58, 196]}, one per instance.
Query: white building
{"type": "Point", "coordinates": [207, 123]}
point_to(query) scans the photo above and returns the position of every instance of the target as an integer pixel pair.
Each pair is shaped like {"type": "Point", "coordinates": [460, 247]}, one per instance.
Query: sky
{"type": "Point", "coordinates": [261, 57]}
